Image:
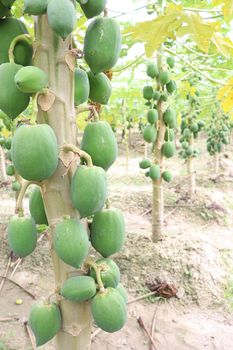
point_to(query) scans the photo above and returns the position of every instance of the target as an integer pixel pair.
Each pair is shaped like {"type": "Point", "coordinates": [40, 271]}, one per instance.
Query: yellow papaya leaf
{"type": "Point", "coordinates": [224, 45]}
{"type": "Point", "coordinates": [5, 133]}
{"type": "Point", "coordinates": [225, 95]}
{"type": "Point", "coordinates": [227, 8]}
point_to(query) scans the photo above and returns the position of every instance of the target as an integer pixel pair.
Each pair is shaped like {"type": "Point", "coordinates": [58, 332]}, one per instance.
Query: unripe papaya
{"type": "Point", "coordinates": [89, 190]}
{"type": "Point", "coordinates": [2, 141]}
{"type": "Point", "coordinates": [122, 292]}
{"type": "Point", "coordinates": [150, 133]}
{"type": "Point", "coordinates": [70, 242]}
{"type": "Point", "coordinates": [168, 149]}
{"type": "Point", "coordinates": [164, 97]}
{"type": "Point", "coordinates": [35, 7]}
{"type": "Point", "coordinates": [185, 144]}
{"type": "Point", "coordinates": [9, 29]}
{"type": "Point", "coordinates": [100, 88]}
{"type": "Point", "coordinates": [148, 92]}
{"type": "Point", "coordinates": [164, 77]}
{"type": "Point", "coordinates": [109, 310]}
{"type": "Point", "coordinates": [12, 101]}
{"type": "Point", "coordinates": [31, 79]}
{"type": "Point", "coordinates": [110, 273]}
{"type": "Point", "coordinates": [102, 44]}
{"type": "Point", "coordinates": [156, 95]}
{"type": "Point", "coordinates": [169, 135]}
{"type": "Point", "coordinates": [100, 143]}
{"type": "Point", "coordinates": [79, 288]}
{"type": "Point", "coordinates": [4, 11]}
{"type": "Point", "coordinates": [22, 235]}
{"type": "Point", "coordinates": [167, 176]}
{"type": "Point", "coordinates": [7, 3]}
{"type": "Point", "coordinates": [8, 143]}
{"type": "Point", "coordinates": [35, 152]}
{"type": "Point", "coordinates": [171, 86]}
{"type": "Point", "coordinates": [189, 151]}
{"type": "Point", "coordinates": [152, 70]}
{"type": "Point", "coordinates": [81, 87]}
{"type": "Point", "coordinates": [61, 17]}
{"type": "Point", "coordinates": [169, 118]}
{"type": "Point", "coordinates": [171, 62]}
{"type": "Point", "coordinates": [16, 186]}
{"type": "Point", "coordinates": [194, 128]}
{"type": "Point", "coordinates": [45, 321]}
{"type": "Point", "coordinates": [152, 116]}
{"type": "Point", "coordinates": [93, 8]}
{"type": "Point", "coordinates": [10, 170]}
{"type": "Point", "coordinates": [144, 164]}
{"type": "Point", "coordinates": [107, 232]}
{"type": "Point", "coordinates": [154, 172]}
{"type": "Point", "coordinates": [36, 207]}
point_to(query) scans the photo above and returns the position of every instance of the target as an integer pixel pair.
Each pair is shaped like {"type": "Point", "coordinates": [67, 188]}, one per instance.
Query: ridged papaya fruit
{"type": "Point", "coordinates": [110, 273]}
{"type": "Point", "coordinates": [145, 164]}
{"type": "Point", "coordinates": [122, 292]}
{"type": "Point", "coordinates": [187, 133]}
{"type": "Point", "coordinates": [12, 101]}
{"type": "Point", "coordinates": [100, 88]}
{"type": "Point", "coordinates": [81, 86]}
{"type": "Point", "coordinates": [194, 127]}
{"type": "Point", "coordinates": [150, 133]}
{"type": "Point", "coordinates": [45, 321]}
{"type": "Point", "coordinates": [4, 11]}
{"type": "Point", "coordinates": [171, 86]}
{"type": "Point", "coordinates": [93, 8]}
{"type": "Point", "coordinates": [107, 233]}
{"type": "Point", "coordinates": [15, 186]}
{"type": "Point", "coordinates": [79, 288]}
{"type": "Point", "coordinates": [154, 172]}
{"type": "Point", "coordinates": [102, 44]}
{"type": "Point", "coordinates": [10, 170]}
{"type": "Point", "coordinates": [168, 149]}
{"type": "Point", "coordinates": [109, 310]}
{"type": "Point", "coordinates": [31, 79]}
{"type": "Point", "coordinates": [167, 176]}
{"type": "Point", "coordinates": [35, 152]}
{"type": "Point", "coordinates": [148, 92]}
{"type": "Point", "coordinates": [152, 116]}
{"type": "Point", "coordinates": [164, 97]}
{"type": "Point", "coordinates": [189, 151]}
{"type": "Point", "coordinates": [35, 7]}
{"type": "Point", "coordinates": [152, 70]}
{"type": "Point", "coordinates": [100, 143]}
{"type": "Point", "coordinates": [36, 207]}
{"type": "Point", "coordinates": [169, 135]}
{"type": "Point", "coordinates": [22, 235]}
{"type": "Point", "coordinates": [156, 95]}
{"type": "Point", "coordinates": [171, 62]}
{"type": "Point", "coordinates": [169, 118]}
{"type": "Point", "coordinates": [89, 190]}
{"type": "Point", "coordinates": [70, 242]}
{"type": "Point", "coordinates": [164, 77]}
{"type": "Point", "coordinates": [9, 29]}
{"type": "Point", "coordinates": [61, 17]}
{"type": "Point", "coordinates": [185, 144]}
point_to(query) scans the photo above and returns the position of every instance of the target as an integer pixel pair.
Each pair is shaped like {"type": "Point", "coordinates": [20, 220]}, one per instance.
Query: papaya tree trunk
{"type": "Point", "coordinates": [3, 165]}
{"type": "Point", "coordinates": [145, 150]}
{"type": "Point", "coordinates": [52, 55]}
{"type": "Point", "coordinates": [191, 172]}
{"type": "Point", "coordinates": [216, 163]}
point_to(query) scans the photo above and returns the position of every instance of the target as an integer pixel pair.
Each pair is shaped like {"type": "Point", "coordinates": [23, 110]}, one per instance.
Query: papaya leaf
{"type": "Point", "coordinates": [227, 8]}
{"type": "Point", "coordinates": [225, 95]}
{"type": "Point", "coordinates": [224, 45]}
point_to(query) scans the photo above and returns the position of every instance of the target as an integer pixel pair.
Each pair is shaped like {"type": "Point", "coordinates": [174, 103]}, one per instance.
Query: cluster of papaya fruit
{"type": "Point", "coordinates": [155, 98]}
{"type": "Point", "coordinates": [190, 129]}
{"type": "Point", "coordinates": [218, 133]}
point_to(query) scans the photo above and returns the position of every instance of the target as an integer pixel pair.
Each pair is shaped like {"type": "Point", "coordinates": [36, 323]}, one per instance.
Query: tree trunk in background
{"type": "Point", "coordinates": [191, 172]}
{"type": "Point", "coordinates": [3, 165]}
{"type": "Point", "coordinates": [50, 52]}
{"type": "Point", "coordinates": [216, 163]}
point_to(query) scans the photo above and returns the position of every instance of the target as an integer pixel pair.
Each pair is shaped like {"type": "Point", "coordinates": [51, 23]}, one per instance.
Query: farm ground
{"type": "Point", "coordinates": [195, 256]}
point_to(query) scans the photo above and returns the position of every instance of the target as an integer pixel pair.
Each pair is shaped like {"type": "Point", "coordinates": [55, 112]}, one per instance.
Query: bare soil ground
{"type": "Point", "coordinates": [195, 256]}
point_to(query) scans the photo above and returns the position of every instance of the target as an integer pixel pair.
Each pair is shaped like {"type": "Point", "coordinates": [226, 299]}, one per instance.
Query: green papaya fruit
{"type": "Point", "coordinates": [31, 79]}
{"type": "Point", "coordinates": [156, 95]}
{"type": "Point", "coordinates": [183, 125]}
{"type": "Point", "coordinates": [78, 288]}
{"type": "Point", "coordinates": [152, 116]}
{"type": "Point", "coordinates": [100, 143]}
{"type": "Point", "coordinates": [164, 77]}
{"type": "Point", "coordinates": [144, 164]}
{"type": "Point", "coordinates": [167, 176]}
{"type": "Point", "coordinates": [168, 149]}
{"type": "Point", "coordinates": [169, 118]}
{"type": "Point", "coordinates": [187, 133]}
{"type": "Point", "coordinates": [152, 70]}
{"type": "Point", "coordinates": [93, 8]}
{"type": "Point", "coordinates": [35, 7]}
{"type": "Point", "coordinates": [7, 3]}
{"type": "Point", "coordinates": [122, 292]}
{"type": "Point", "coordinates": [109, 310]}
{"type": "Point", "coordinates": [82, 2]}
{"type": "Point", "coordinates": [164, 97]}
{"type": "Point", "coordinates": [110, 273]}
{"type": "Point", "coordinates": [36, 207]}
{"type": "Point", "coordinates": [70, 242]}
{"type": "Point", "coordinates": [150, 133]}
{"type": "Point", "coordinates": [102, 44]}
{"type": "Point", "coordinates": [100, 88]}
{"type": "Point", "coordinates": [148, 92]}
{"type": "Point", "coordinates": [22, 235]}
{"type": "Point", "coordinates": [61, 17]}
{"type": "Point", "coordinates": [4, 11]}
{"type": "Point", "coordinates": [8, 143]}
{"type": "Point", "coordinates": [171, 62]}
{"type": "Point", "coordinates": [45, 321]}
{"type": "Point", "coordinates": [171, 86]}
{"type": "Point", "coordinates": [9, 29]}
{"type": "Point", "coordinates": [81, 87]}
{"type": "Point", "coordinates": [169, 135]}
{"type": "Point", "coordinates": [2, 141]}
{"type": "Point", "coordinates": [12, 101]}
{"type": "Point", "coordinates": [89, 190]}
{"type": "Point", "coordinates": [35, 152]}
{"type": "Point", "coordinates": [185, 144]}
{"type": "Point", "coordinates": [107, 232]}
{"type": "Point", "coordinates": [194, 127]}
{"type": "Point", "coordinates": [154, 172]}
{"type": "Point", "coordinates": [16, 186]}
{"type": "Point", "coordinates": [189, 151]}
{"type": "Point", "coordinates": [8, 155]}
{"type": "Point", "coordinates": [10, 170]}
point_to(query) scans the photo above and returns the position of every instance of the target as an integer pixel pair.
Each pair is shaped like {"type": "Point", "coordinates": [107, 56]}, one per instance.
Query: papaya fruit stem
{"type": "Point", "coordinates": [72, 148]}
{"type": "Point", "coordinates": [108, 204]}
{"type": "Point", "coordinates": [19, 203]}
{"type": "Point", "coordinates": [23, 37]}
{"type": "Point", "coordinates": [97, 272]}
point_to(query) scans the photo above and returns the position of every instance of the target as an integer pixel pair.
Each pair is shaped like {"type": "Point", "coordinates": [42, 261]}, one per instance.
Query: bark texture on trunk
{"type": "Point", "coordinates": [216, 163]}
{"type": "Point", "coordinates": [3, 174]}
{"type": "Point", "coordinates": [191, 172]}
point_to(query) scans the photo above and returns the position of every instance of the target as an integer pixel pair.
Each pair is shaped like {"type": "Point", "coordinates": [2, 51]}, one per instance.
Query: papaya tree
{"type": "Point", "coordinates": [48, 70]}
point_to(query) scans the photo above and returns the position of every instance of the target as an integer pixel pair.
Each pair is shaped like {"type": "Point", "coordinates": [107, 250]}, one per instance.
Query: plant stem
{"type": "Point", "coordinates": [72, 148]}
{"type": "Point", "coordinates": [19, 202]}
{"type": "Point", "coordinates": [23, 37]}
{"type": "Point", "coordinates": [98, 274]}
